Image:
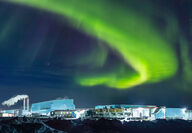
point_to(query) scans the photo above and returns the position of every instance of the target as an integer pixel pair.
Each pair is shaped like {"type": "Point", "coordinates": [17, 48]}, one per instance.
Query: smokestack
{"type": "Point", "coordinates": [15, 99]}
{"type": "Point", "coordinates": [28, 104]}
{"type": "Point", "coordinates": [24, 104]}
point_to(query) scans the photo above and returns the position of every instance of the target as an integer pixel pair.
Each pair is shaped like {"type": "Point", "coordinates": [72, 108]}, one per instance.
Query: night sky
{"type": "Point", "coordinates": [97, 51]}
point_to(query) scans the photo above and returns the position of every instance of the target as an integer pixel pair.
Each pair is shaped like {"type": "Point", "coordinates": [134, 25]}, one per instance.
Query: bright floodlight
{"type": "Point", "coordinates": [164, 110]}
{"type": "Point", "coordinates": [183, 110]}
{"type": "Point", "coordinates": [140, 109]}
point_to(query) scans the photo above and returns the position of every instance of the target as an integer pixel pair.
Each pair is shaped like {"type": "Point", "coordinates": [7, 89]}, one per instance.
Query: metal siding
{"type": "Point", "coordinates": [175, 113]}
{"type": "Point", "coordinates": [47, 106]}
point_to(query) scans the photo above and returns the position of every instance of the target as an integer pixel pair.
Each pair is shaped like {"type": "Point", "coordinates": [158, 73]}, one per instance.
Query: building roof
{"type": "Point", "coordinates": [124, 106]}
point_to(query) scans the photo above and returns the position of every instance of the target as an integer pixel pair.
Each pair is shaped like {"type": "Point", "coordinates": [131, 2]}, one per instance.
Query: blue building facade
{"type": "Point", "coordinates": [175, 113]}
{"type": "Point", "coordinates": [44, 108]}
{"type": "Point", "coordinates": [172, 113]}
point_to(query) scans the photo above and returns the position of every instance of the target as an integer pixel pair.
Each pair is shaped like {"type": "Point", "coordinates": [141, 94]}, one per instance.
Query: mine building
{"type": "Point", "coordinates": [46, 107]}
{"type": "Point", "coordinates": [7, 113]}
{"type": "Point", "coordinates": [176, 113]}
{"type": "Point", "coordinates": [188, 115]}
{"type": "Point", "coordinates": [63, 113]}
{"type": "Point", "coordinates": [65, 108]}
{"type": "Point", "coordinates": [129, 112]}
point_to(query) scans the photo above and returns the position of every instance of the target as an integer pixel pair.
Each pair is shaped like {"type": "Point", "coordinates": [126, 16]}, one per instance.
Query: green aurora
{"type": "Point", "coordinates": [132, 33]}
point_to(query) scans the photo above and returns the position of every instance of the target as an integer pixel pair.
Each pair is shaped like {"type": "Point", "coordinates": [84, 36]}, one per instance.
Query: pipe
{"type": "Point", "coordinates": [28, 104]}
{"type": "Point", "coordinates": [24, 104]}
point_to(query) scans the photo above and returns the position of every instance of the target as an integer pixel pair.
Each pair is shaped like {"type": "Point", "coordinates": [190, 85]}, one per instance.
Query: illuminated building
{"type": "Point", "coordinates": [44, 108]}
{"type": "Point", "coordinates": [63, 113]}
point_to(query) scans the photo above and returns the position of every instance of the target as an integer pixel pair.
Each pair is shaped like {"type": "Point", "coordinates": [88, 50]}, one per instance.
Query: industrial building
{"type": "Point", "coordinates": [65, 108]}
{"type": "Point", "coordinates": [128, 112]}
{"type": "Point", "coordinates": [137, 112]}
{"type": "Point", "coordinates": [44, 108]}
{"type": "Point", "coordinates": [175, 113]}
{"type": "Point", "coordinates": [8, 113]}
{"type": "Point", "coordinates": [63, 113]}
{"type": "Point", "coordinates": [188, 115]}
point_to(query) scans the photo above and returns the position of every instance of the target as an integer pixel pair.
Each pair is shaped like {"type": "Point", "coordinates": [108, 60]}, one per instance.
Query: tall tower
{"type": "Point", "coordinates": [26, 104]}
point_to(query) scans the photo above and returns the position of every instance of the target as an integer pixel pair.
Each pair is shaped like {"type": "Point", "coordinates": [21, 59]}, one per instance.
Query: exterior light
{"type": "Point", "coordinates": [183, 110]}
{"type": "Point", "coordinates": [140, 109]}
{"type": "Point", "coordinates": [163, 110]}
